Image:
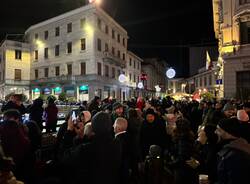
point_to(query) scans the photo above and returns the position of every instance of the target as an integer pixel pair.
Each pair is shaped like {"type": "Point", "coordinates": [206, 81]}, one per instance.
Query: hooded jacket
{"type": "Point", "coordinates": [234, 162]}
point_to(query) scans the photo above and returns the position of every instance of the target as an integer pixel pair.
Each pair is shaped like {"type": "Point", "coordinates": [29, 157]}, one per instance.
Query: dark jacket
{"type": "Point", "coordinates": [234, 163]}
{"type": "Point", "coordinates": [36, 112]}
{"type": "Point", "coordinates": [51, 114]}
{"type": "Point", "coordinates": [152, 134]}
{"type": "Point", "coordinates": [94, 163]}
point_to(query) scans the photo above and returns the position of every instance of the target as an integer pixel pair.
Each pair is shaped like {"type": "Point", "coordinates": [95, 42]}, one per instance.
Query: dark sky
{"type": "Point", "coordinates": [163, 28]}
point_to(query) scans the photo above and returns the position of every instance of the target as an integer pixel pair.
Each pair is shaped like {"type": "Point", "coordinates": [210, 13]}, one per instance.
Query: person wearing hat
{"type": "Point", "coordinates": [234, 158]}
{"type": "Point", "coordinates": [153, 132]}
{"type": "Point", "coordinates": [118, 111]}
{"type": "Point", "coordinates": [229, 110]}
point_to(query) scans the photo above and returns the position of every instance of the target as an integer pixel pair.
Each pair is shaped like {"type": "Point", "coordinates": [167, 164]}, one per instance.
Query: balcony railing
{"type": "Point", "coordinates": [110, 58]}
{"type": "Point", "coordinates": [17, 82]}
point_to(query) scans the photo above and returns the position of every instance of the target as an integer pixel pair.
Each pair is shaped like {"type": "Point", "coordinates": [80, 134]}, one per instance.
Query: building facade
{"type": "Point", "coordinates": [81, 53]}
{"type": "Point", "coordinates": [232, 29]}
{"type": "Point", "coordinates": [14, 68]}
{"type": "Point", "coordinates": [155, 72]}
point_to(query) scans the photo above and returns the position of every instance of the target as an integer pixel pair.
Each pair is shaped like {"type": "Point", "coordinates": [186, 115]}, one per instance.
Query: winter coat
{"type": "Point", "coordinates": [51, 114]}
{"type": "Point", "coordinates": [12, 105]}
{"type": "Point", "coordinates": [234, 162]}
{"type": "Point", "coordinates": [94, 163]}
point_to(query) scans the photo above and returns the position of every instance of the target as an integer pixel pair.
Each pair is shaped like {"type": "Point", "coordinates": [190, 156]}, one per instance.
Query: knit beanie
{"type": "Point", "coordinates": [150, 111]}
{"type": "Point", "coordinates": [228, 107]}
{"type": "Point", "coordinates": [231, 126]}
{"type": "Point", "coordinates": [117, 105]}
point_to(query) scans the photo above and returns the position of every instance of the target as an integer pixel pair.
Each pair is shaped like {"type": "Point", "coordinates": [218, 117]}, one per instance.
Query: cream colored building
{"type": "Point", "coordinates": [232, 29]}
{"type": "Point", "coordinates": [14, 68]}
{"type": "Point", "coordinates": [133, 73]}
{"type": "Point", "coordinates": [81, 53]}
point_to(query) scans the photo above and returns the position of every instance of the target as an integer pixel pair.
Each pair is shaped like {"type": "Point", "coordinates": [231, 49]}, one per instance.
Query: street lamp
{"type": "Point", "coordinates": [122, 78]}
{"type": "Point", "coordinates": [140, 85]}
{"type": "Point", "coordinates": [170, 73]}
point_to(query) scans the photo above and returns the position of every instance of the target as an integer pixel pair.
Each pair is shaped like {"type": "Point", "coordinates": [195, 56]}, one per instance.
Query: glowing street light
{"type": "Point", "coordinates": [122, 78]}
{"type": "Point", "coordinates": [170, 73]}
{"type": "Point", "coordinates": [95, 1]}
{"type": "Point", "coordinates": [140, 85]}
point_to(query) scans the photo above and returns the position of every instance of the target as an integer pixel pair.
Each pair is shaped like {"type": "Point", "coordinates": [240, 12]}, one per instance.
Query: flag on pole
{"type": "Point", "coordinates": [208, 61]}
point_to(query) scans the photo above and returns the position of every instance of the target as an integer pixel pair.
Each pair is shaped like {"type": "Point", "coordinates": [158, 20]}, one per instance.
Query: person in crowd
{"type": "Point", "coordinates": [229, 110]}
{"type": "Point", "coordinates": [118, 111]}
{"type": "Point", "coordinates": [243, 118]}
{"type": "Point", "coordinates": [16, 144]}
{"type": "Point", "coordinates": [208, 113]}
{"type": "Point", "coordinates": [217, 114]}
{"type": "Point", "coordinates": [140, 103]}
{"type": "Point", "coordinates": [122, 137]}
{"type": "Point", "coordinates": [234, 157]}
{"type": "Point", "coordinates": [36, 112]}
{"type": "Point", "coordinates": [134, 127]}
{"type": "Point", "coordinates": [6, 167]}
{"type": "Point", "coordinates": [51, 112]}
{"type": "Point", "coordinates": [94, 104]}
{"type": "Point", "coordinates": [153, 132]}
{"type": "Point", "coordinates": [96, 162]}
{"type": "Point", "coordinates": [154, 166]}
{"type": "Point", "coordinates": [207, 147]}
{"type": "Point", "coordinates": [15, 102]}
{"type": "Point", "coordinates": [182, 152]}
{"type": "Point", "coordinates": [246, 107]}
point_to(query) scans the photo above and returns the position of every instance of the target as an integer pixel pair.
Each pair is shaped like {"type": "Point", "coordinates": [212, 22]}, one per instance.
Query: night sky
{"type": "Point", "coordinates": [164, 28]}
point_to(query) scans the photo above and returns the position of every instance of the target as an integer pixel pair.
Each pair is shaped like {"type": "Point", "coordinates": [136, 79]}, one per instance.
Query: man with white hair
{"type": "Point", "coordinates": [122, 137]}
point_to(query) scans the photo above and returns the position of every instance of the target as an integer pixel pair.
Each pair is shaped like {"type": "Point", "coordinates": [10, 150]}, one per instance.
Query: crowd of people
{"type": "Point", "coordinates": [151, 141]}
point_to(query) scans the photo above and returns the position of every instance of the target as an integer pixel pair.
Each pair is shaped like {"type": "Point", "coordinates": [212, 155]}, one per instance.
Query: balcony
{"type": "Point", "coordinates": [111, 59]}
{"type": "Point", "coordinates": [17, 82]}
{"type": "Point", "coordinates": [58, 79]}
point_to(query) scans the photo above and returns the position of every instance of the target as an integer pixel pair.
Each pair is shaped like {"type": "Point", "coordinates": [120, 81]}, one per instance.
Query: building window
{"type": "Point", "coordinates": [46, 35]}
{"type": "Point", "coordinates": [196, 82]}
{"type": "Point", "coordinates": [130, 62]}
{"type": "Point", "coordinates": [106, 47]}
{"type": "Point", "coordinates": [113, 34]}
{"type": "Point", "coordinates": [123, 56]}
{"type": "Point", "coordinates": [69, 67]}
{"type": "Point", "coordinates": [69, 47]}
{"type": "Point", "coordinates": [57, 52]}
{"type": "Point", "coordinates": [46, 53]}
{"type": "Point", "coordinates": [57, 31]}
{"type": "Point", "coordinates": [18, 74]}
{"type": "Point", "coordinates": [82, 22]}
{"type": "Point", "coordinates": [205, 81]}
{"type": "Point", "coordinates": [57, 70]}
{"type": "Point", "coordinates": [134, 64]}
{"type": "Point", "coordinates": [210, 80]}
{"type": "Point", "coordinates": [36, 74]}
{"type": "Point", "coordinates": [83, 44]}
{"type": "Point", "coordinates": [106, 29]}
{"type": "Point", "coordinates": [113, 72]}
{"type": "Point", "coordinates": [118, 38]}
{"type": "Point", "coordinates": [134, 78]}
{"type": "Point", "coordinates": [46, 72]}
{"type": "Point", "coordinates": [245, 32]}
{"type": "Point", "coordinates": [113, 50]}
{"type": "Point", "coordinates": [123, 42]}
{"type": "Point", "coordinates": [69, 28]}
{"type": "Point", "coordinates": [99, 68]}
{"type": "Point", "coordinates": [18, 54]}
{"type": "Point", "coordinates": [106, 71]}
{"type": "Point", "coordinates": [83, 68]}
{"type": "Point", "coordinates": [99, 23]}
{"type": "Point", "coordinates": [130, 77]}
{"type": "Point", "coordinates": [119, 54]}
{"type": "Point", "coordinates": [36, 54]}
{"type": "Point", "coordinates": [99, 44]}
{"type": "Point", "coordinates": [36, 36]}
{"type": "Point", "coordinates": [138, 65]}
{"type": "Point", "coordinates": [200, 82]}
